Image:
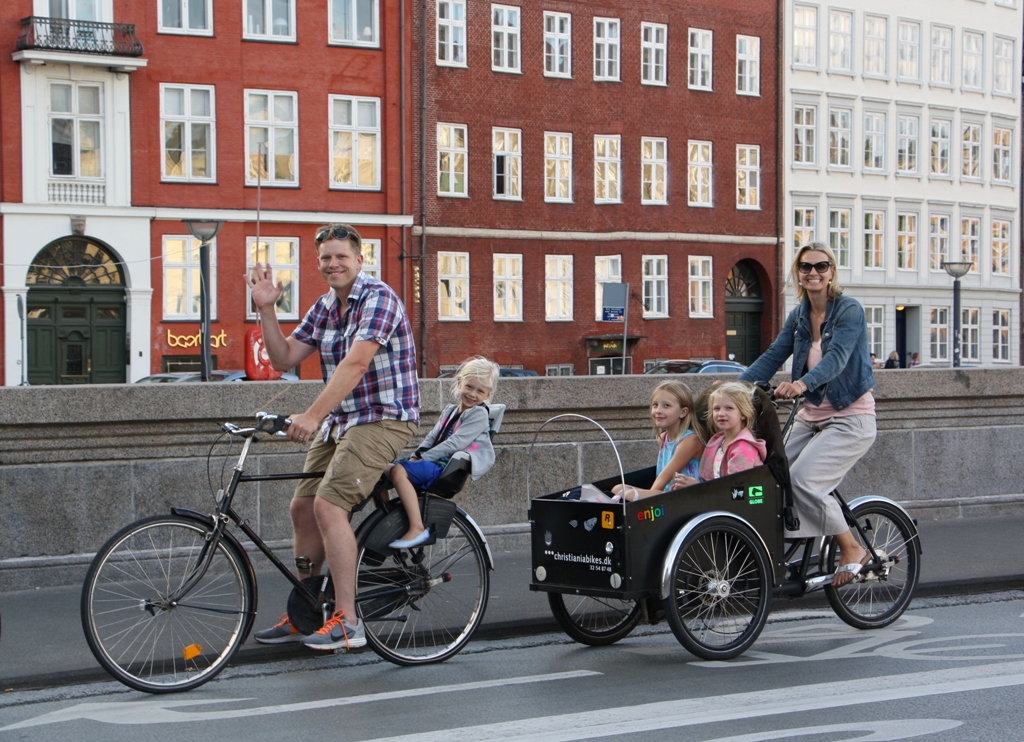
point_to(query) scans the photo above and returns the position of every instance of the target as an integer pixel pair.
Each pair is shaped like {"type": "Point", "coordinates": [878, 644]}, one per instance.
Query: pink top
{"type": "Point", "coordinates": [817, 413]}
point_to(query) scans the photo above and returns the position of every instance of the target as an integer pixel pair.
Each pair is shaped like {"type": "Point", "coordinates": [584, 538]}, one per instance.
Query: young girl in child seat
{"type": "Point", "coordinates": [679, 447]}
{"type": "Point", "coordinates": [733, 446]}
{"type": "Point", "coordinates": [462, 427]}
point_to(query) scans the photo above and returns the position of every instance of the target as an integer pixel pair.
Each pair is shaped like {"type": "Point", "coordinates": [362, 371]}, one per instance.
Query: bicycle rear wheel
{"type": "Point", "coordinates": [594, 621]}
{"type": "Point", "coordinates": [423, 610]}
{"type": "Point", "coordinates": [134, 629]}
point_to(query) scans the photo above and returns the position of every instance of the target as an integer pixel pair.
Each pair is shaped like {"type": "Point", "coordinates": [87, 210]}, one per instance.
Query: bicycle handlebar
{"type": "Point", "coordinates": [265, 423]}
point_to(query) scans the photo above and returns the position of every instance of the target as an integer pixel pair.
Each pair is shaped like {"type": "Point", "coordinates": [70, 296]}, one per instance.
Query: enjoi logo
{"type": "Point", "coordinates": [651, 513]}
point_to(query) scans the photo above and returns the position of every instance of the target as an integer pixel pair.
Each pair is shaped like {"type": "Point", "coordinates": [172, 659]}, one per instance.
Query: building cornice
{"type": "Point", "coordinates": [622, 236]}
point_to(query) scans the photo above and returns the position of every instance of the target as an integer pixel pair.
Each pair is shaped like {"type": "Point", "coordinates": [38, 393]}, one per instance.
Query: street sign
{"type": "Point", "coordinates": [613, 303]}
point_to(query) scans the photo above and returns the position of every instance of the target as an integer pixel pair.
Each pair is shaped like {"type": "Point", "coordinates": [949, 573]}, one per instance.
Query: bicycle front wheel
{"type": "Point", "coordinates": [140, 630]}
{"type": "Point", "coordinates": [422, 605]}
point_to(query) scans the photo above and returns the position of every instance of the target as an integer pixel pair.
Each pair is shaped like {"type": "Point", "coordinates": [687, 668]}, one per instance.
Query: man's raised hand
{"type": "Point", "coordinates": [261, 284]}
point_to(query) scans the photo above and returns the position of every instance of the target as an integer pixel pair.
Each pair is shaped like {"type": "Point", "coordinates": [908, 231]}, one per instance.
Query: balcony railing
{"type": "Point", "coordinates": [89, 37]}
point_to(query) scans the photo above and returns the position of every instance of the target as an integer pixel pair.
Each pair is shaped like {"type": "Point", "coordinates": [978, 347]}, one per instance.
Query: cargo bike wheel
{"type": "Point", "coordinates": [719, 588]}
{"type": "Point", "coordinates": [595, 621]}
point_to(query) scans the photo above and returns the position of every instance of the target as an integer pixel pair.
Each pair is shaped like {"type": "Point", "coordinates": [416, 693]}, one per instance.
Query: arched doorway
{"type": "Point", "coordinates": [743, 306]}
{"type": "Point", "coordinates": [77, 323]}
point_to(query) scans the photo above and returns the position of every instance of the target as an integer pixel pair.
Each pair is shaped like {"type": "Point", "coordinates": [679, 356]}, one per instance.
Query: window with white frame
{"type": "Point", "coordinates": [606, 49]}
{"type": "Point", "coordinates": [805, 35]}
{"type": "Point", "coordinates": [653, 53]}
{"type": "Point", "coordinates": [1002, 155]}
{"type": "Point", "coordinates": [452, 160]}
{"type": "Point", "coordinates": [748, 65]}
{"type": "Point", "coordinates": [938, 330]}
{"type": "Point", "coordinates": [970, 334]}
{"type": "Point", "coordinates": [805, 224]}
{"type": "Point", "coordinates": [282, 255]}
{"type": "Point", "coordinates": [939, 147]}
{"type": "Point", "coordinates": [558, 288]}
{"type": "Point", "coordinates": [607, 160]}
{"type": "Point", "coordinates": [188, 117]}
{"type": "Point", "coordinates": [1001, 335]}
{"type": "Point", "coordinates": [186, 17]}
{"type": "Point", "coordinates": [182, 277]}
{"type": "Point", "coordinates": [557, 45]}
{"type": "Point", "coordinates": [698, 155]}
{"type": "Point", "coordinates": [1000, 247]}
{"type": "Point", "coordinates": [655, 277]}
{"type": "Point", "coordinates": [272, 137]}
{"type": "Point", "coordinates": [840, 41]}
{"type": "Point", "coordinates": [839, 236]}
{"type": "Point", "coordinates": [653, 170]}
{"type": "Point", "coordinates": [970, 157]}
{"type": "Point", "coordinates": [748, 176]}
{"type": "Point", "coordinates": [906, 241]}
{"type": "Point", "coordinates": [938, 241]}
{"type": "Point", "coordinates": [76, 130]}
{"type": "Point", "coordinates": [508, 157]}
{"type": "Point", "coordinates": [875, 317]}
{"type": "Point", "coordinates": [354, 22]}
{"type": "Point", "coordinates": [701, 47]}
{"type": "Point", "coordinates": [908, 135]}
{"type": "Point", "coordinates": [508, 288]}
{"type": "Point", "coordinates": [371, 257]}
{"type": "Point", "coordinates": [970, 241]}
{"type": "Point", "coordinates": [805, 121]}
{"type": "Point", "coordinates": [874, 239]}
{"type": "Point", "coordinates": [909, 51]}
{"type": "Point", "coordinates": [270, 20]}
{"type": "Point", "coordinates": [874, 140]}
{"type": "Point", "coordinates": [505, 38]}
{"type": "Point", "coordinates": [972, 60]}
{"type": "Point", "coordinates": [355, 142]}
{"type": "Point", "coordinates": [559, 369]}
{"type": "Point", "coordinates": [701, 278]}
{"type": "Point", "coordinates": [607, 269]}
{"type": "Point", "coordinates": [1002, 65]}
{"type": "Point", "coordinates": [453, 286]}
{"type": "Point", "coordinates": [557, 167]}
{"type": "Point", "coordinates": [840, 134]}
{"type": "Point", "coordinates": [876, 42]}
{"type": "Point", "coordinates": [451, 33]}
{"type": "Point", "coordinates": [942, 55]}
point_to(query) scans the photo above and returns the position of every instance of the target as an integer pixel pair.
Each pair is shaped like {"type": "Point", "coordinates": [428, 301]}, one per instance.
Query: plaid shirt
{"type": "Point", "coordinates": [389, 389]}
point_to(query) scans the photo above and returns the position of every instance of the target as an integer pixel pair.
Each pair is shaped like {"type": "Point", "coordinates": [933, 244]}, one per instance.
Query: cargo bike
{"type": "Point", "coordinates": [710, 558]}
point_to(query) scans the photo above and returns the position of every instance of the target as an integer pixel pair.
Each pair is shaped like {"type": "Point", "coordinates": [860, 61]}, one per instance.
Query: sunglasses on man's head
{"type": "Point", "coordinates": [821, 267]}
{"type": "Point", "coordinates": [332, 233]}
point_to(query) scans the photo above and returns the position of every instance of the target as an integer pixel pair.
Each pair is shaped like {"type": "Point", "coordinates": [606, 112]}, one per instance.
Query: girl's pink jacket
{"type": "Point", "coordinates": [745, 452]}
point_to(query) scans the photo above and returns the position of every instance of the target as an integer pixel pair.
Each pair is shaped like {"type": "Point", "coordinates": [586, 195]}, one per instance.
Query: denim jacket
{"type": "Point", "coordinates": [844, 373]}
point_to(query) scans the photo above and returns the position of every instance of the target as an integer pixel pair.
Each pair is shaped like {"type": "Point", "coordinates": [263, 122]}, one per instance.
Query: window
{"type": "Point", "coordinates": [701, 278]}
{"type": "Point", "coordinates": [655, 276]}
{"type": "Point", "coordinates": [186, 16]}
{"type": "Point", "coordinates": [804, 225]}
{"type": "Point", "coordinates": [182, 277]}
{"type": "Point", "coordinates": [748, 65]}
{"type": "Point", "coordinates": [453, 286]}
{"type": "Point", "coordinates": [874, 239]}
{"type": "Point", "coordinates": [188, 119]}
{"type": "Point", "coordinates": [557, 167]}
{"type": "Point", "coordinates": [875, 317]}
{"type": "Point", "coordinates": [938, 241]}
{"type": "Point", "coordinates": [971, 151]}
{"type": "Point", "coordinates": [272, 133]}
{"type": "Point", "coordinates": [371, 258]}
{"type": "Point", "coordinates": [840, 41]}
{"type": "Point", "coordinates": [700, 177]}
{"type": "Point", "coordinates": [653, 170]}
{"type": "Point", "coordinates": [76, 130]}
{"type": "Point", "coordinates": [606, 49]}
{"type": "Point", "coordinates": [970, 240]}
{"type": "Point", "coordinates": [282, 254]}
{"type": "Point", "coordinates": [700, 59]}
{"type": "Point", "coordinates": [355, 142]}
{"type": "Point", "coordinates": [972, 60]}
{"type": "Point", "coordinates": [508, 288]}
{"type": "Point", "coordinates": [805, 35]}
{"type": "Point", "coordinates": [353, 22]}
{"type": "Point", "coordinates": [504, 38]}
{"type": "Point", "coordinates": [942, 55]}
{"type": "Point", "coordinates": [939, 147]}
{"type": "Point", "coordinates": [507, 164]}
{"type": "Point", "coordinates": [270, 20]}
{"type": "Point", "coordinates": [452, 160]}
{"type": "Point", "coordinates": [906, 241]}
{"type": "Point", "coordinates": [607, 269]}
{"type": "Point", "coordinates": [909, 52]}
{"type": "Point", "coordinates": [970, 334]}
{"type": "Point", "coordinates": [557, 45]}
{"type": "Point", "coordinates": [1002, 155]}
{"type": "Point", "coordinates": [1002, 65]}
{"type": "Point", "coordinates": [907, 136]}
{"type": "Point", "coordinates": [748, 176]}
{"type": "Point", "coordinates": [874, 141]}
{"type": "Point", "coordinates": [558, 288]}
{"type": "Point", "coordinates": [653, 53]}
{"type": "Point", "coordinates": [559, 369]}
{"type": "Point", "coordinates": [840, 136]}
{"type": "Point", "coordinates": [451, 33]}
{"type": "Point", "coordinates": [804, 125]}
{"type": "Point", "coordinates": [606, 170]}
{"type": "Point", "coordinates": [938, 325]}
{"type": "Point", "coordinates": [839, 236]}
{"type": "Point", "coordinates": [1000, 247]}
{"type": "Point", "coordinates": [876, 30]}
{"type": "Point", "coordinates": [1001, 335]}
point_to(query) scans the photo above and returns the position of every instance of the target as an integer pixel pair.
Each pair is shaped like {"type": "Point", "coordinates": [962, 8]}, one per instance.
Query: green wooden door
{"type": "Point", "coordinates": [76, 336]}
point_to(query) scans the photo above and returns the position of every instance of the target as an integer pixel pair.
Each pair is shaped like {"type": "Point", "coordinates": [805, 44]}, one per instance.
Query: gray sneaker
{"type": "Point", "coordinates": [280, 633]}
{"type": "Point", "coordinates": [337, 633]}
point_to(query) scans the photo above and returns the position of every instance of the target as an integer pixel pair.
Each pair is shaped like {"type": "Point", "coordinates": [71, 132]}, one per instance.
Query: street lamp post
{"type": "Point", "coordinates": [204, 231]}
{"type": "Point", "coordinates": [957, 271]}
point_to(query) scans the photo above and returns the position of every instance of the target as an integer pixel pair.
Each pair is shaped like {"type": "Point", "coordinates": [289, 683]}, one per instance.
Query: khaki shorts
{"type": "Point", "coordinates": [353, 465]}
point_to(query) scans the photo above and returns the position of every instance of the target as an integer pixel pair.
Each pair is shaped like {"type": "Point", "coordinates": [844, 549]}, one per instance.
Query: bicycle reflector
{"type": "Point", "coordinates": [192, 651]}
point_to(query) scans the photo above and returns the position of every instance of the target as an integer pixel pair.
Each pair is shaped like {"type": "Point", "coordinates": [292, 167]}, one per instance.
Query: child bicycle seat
{"type": "Point", "coordinates": [453, 478]}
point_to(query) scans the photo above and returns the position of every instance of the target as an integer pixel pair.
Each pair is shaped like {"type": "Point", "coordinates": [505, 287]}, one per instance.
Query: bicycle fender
{"type": "Point", "coordinates": [853, 504]}
{"type": "Point", "coordinates": [480, 535]}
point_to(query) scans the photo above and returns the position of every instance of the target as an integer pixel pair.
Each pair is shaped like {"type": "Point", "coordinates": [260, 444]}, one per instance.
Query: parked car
{"type": "Point", "coordinates": [696, 367]}
{"type": "Point", "coordinates": [219, 375]}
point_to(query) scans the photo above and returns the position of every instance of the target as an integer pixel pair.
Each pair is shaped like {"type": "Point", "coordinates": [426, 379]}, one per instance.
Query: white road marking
{"type": "Point", "coordinates": [883, 731]}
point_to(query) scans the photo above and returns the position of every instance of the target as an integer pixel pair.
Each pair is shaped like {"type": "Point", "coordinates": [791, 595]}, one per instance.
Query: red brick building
{"type": "Point", "coordinates": [566, 144]}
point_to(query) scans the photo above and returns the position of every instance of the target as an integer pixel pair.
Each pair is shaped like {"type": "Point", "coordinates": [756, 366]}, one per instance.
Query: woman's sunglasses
{"type": "Point", "coordinates": [821, 268]}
